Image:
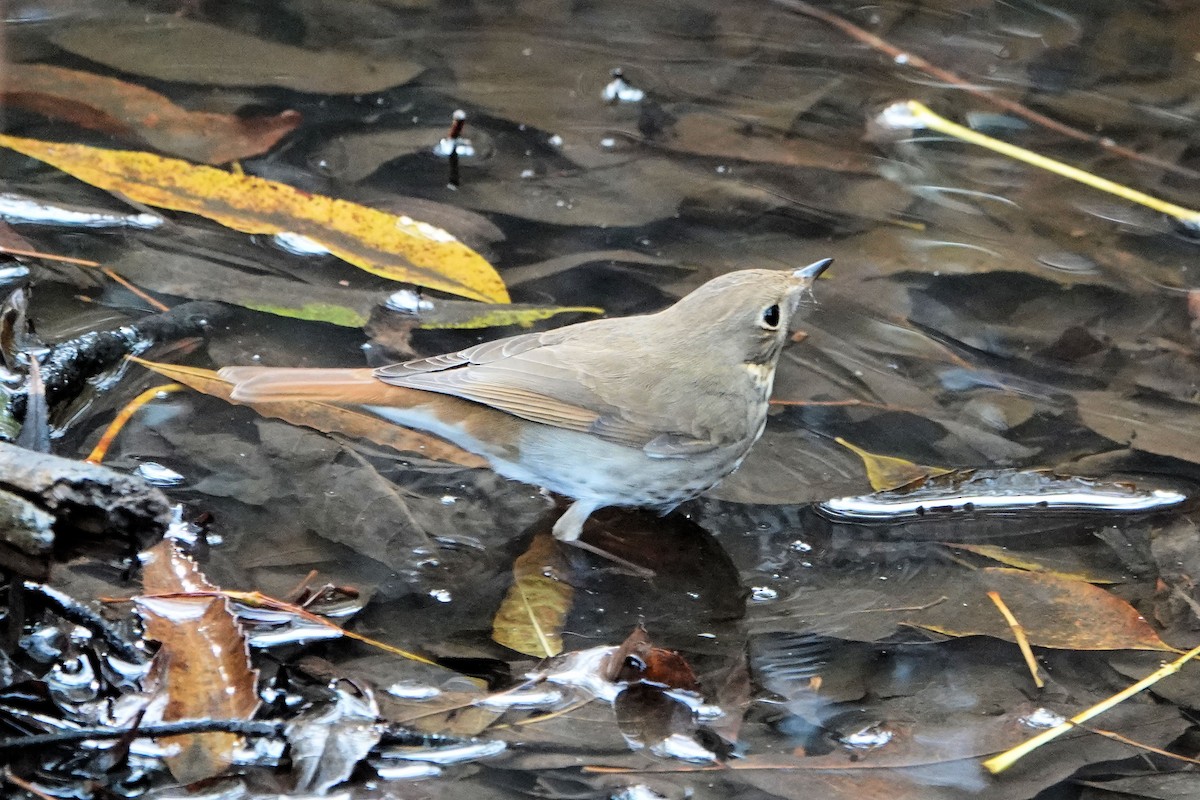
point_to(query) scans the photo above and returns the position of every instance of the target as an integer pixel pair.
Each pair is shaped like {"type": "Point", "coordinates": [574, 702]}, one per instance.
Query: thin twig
{"type": "Point", "coordinates": [72, 610]}
{"type": "Point", "coordinates": [138, 292]}
{"type": "Point", "coordinates": [75, 735]}
{"type": "Point", "coordinates": [21, 783]}
{"type": "Point", "coordinates": [123, 417]}
{"type": "Point", "coordinates": [1022, 640]}
{"type": "Point", "coordinates": [905, 58]}
{"type": "Point", "coordinates": [998, 764]}
{"type": "Point", "coordinates": [81, 262]}
{"type": "Point", "coordinates": [1116, 737]}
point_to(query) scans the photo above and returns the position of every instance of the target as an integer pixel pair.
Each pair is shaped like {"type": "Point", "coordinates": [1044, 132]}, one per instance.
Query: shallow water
{"type": "Point", "coordinates": [981, 314]}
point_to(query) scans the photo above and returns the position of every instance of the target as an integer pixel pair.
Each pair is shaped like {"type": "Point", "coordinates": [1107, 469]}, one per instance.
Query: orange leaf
{"type": "Point", "coordinates": [1054, 612]}
{"type": "Point", "coordinates": [398, 248]}
{"type": "Point", "coordinates": [204, 661]}
{"type": "Point", "coordinates": [139, 114]}
{"type": "Point", "coordinates": [325, 417]}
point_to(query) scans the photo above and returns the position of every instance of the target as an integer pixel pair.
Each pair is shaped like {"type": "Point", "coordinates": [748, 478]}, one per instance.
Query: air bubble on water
{"type": "Point", "coordinates": [156, 474]}
{"type": "Point", "coordinates": [763, 594]}
{"type": "Point", "coordinates": [868, 738]}
{"type": "Point", "coordinates": [441, 595]}
{"type": "Point", "coordinates": [1042, 718]}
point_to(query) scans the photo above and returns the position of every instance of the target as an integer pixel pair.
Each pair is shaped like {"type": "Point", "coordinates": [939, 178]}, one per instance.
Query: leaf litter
{"type": "Point", "coordinates": [955, 341]}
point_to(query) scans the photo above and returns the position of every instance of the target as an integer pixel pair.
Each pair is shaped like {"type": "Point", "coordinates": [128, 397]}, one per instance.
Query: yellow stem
{"type": "Point", "coordinates": [922, 114]}
{"type": "Point", "coordinates": [998, 764]}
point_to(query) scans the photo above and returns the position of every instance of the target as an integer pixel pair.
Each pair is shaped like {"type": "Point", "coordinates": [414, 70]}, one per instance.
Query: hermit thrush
{"type": "Point", "coordinates": [648, 410]}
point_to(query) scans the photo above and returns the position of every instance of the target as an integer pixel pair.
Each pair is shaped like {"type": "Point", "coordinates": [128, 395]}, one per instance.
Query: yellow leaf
{"type": "Point", "coordinates": [496, 317]}
{"type": "Point", "coordinates": [531, 617]}
{"type": "Point", "coordinates": [398, 248]}
{"type": "Point", "coordinates": [889, 472]}
{"type": "Point", "coordinates": [1033, 563]}
{"type": "Point", "coordinates": [325, 417]}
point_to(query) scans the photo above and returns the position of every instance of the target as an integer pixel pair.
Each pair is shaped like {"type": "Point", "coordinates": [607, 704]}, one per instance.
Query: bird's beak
{"type": "Point", "coordinates": [812, 271]}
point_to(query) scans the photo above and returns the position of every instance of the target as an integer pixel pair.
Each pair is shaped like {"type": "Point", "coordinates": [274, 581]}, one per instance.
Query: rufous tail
{"type": "Point", "coordinates": [347, 386]}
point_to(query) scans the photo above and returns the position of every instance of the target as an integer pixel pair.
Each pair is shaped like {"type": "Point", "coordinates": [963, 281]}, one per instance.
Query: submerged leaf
{"type": "Point", "coordinates": [134, 112]}
{"type": "Point", "coordinates": [889, 472]}
{"type": "Point", "coordinates": [204, 660]}
{"type": "Point", "coordinates": [151, 45]}
{"type": "Point", "coordinates": [1053, 610]}
{"type": "Point", "coordinates": [531, 617]}
{"type": "Point", "coordinates": [1065, 564]}
{"type": "Point", "coordinates": [325, 417]}
{"type": "Point", "coordinates": [398, 248]}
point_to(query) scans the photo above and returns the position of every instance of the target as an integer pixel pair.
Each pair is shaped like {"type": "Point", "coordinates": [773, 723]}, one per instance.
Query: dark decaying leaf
{"type": "Point", "coordinates": [352, 157]}
{"type": "Point", "coordinates": [150, 45]}
{"type": "Point", "coordinates": [185, 275]}
{"type": "Point", "coordinates": [721, 136]}
{"type": "Point", "coordinates": [141, 115]}
{"type": "Point", "coordinates": [204, 660]}
{"type": "Point", "coordinates": [1156, 425]}
{"type": "Point", "coordinates": [654, 188]}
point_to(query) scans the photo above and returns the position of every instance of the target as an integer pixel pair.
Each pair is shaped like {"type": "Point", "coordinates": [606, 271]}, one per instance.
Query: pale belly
{"type": "Point", "coordinates": [587, 468]}
{"type": "Point", "coordinates": [584, 467]}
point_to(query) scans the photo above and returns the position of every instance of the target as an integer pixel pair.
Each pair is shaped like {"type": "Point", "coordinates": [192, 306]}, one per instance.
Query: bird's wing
{"type": "Point", "coordinates": [479, 354]}
{"type": "Point", "coordinates": [554, 380]}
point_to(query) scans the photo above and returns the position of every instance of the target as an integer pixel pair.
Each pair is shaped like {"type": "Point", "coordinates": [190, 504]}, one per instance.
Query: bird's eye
{"type": "Point", "coordinates": [770, 317]}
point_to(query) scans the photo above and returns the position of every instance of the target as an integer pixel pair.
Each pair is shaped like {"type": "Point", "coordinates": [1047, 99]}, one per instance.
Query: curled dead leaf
{"type": "Point", "coordinates": [203, 661]}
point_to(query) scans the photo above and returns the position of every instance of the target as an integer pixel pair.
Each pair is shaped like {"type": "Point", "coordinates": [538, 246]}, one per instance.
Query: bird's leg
{"type": "Point", "coordinates": [570, 526]}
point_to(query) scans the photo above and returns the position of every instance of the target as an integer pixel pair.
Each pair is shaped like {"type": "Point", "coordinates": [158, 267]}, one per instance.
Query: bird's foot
{"type": "Point", "coordinates": [627, 566]}
{"type": "Point", "coordinates": [569, 528]}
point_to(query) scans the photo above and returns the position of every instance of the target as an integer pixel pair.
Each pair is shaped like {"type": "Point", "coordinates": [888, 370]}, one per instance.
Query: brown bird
{"type": "Point", "coordinates": [647, 410]}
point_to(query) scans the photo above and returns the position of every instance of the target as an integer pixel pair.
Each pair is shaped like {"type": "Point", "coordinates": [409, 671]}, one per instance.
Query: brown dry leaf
{"type": "Point", "coordinates": [1054, 611]}
{"type": "Point", "coordinates": [151, 44]}
{"type": "Point", "coordinates": [325, 417]}
{"type": "Point", "coordinates": [133, 112]}
{"type": "Point", "coordinates": [204, 660]}
{"type": "Point", "coordinates": [889, 472]}
{"type": "Point", "coordinates": [531, 616]}
{"type": "Point", "coordinates": [398, 248]}
{"type": "Point", "coordinates": [637, 660]}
